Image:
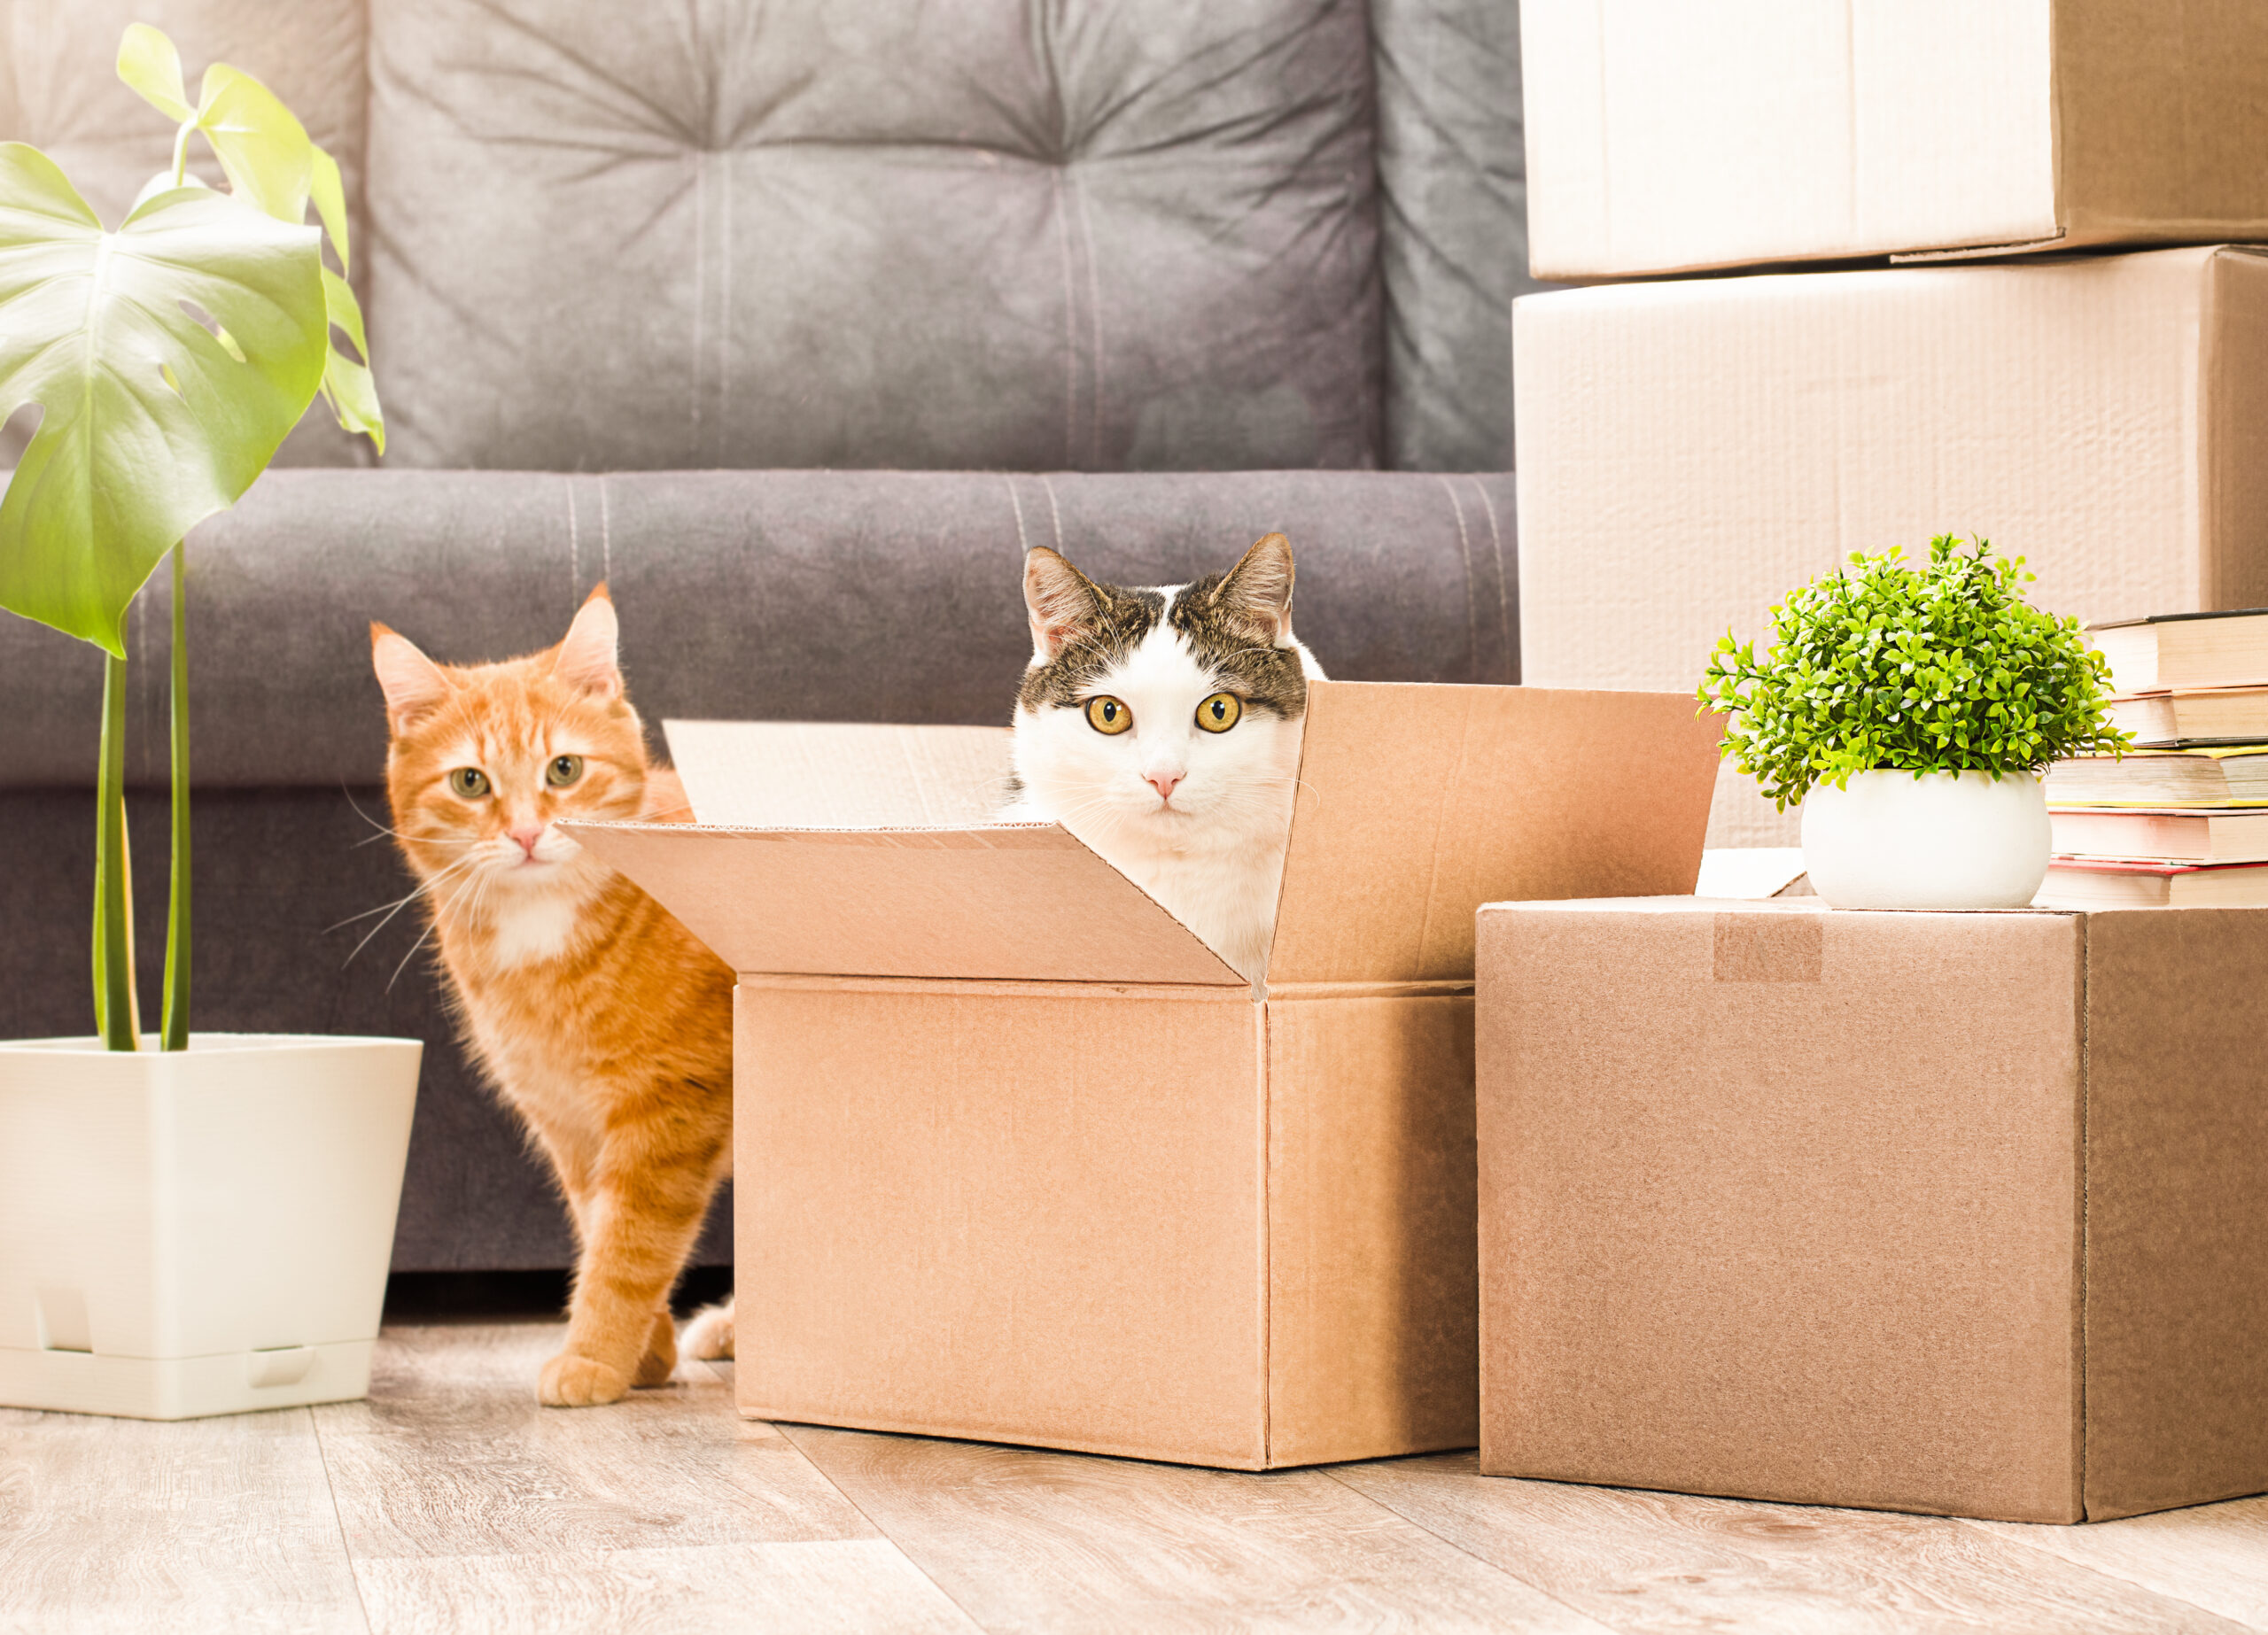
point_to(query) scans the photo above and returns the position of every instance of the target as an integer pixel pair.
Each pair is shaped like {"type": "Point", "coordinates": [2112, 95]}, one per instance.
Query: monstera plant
{"type": "Point", "coordinates": [168, 357]}
{"type": "Point", "coordinates": [204, 1228]}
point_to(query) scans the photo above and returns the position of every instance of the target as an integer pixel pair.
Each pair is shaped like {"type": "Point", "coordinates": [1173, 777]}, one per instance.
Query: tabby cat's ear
{"type": "Point", "coordinates": [1256, 594]}
{"type": "Point", "coordinates": [1061, 601]}
{"type": "Point", "coordinates": [586, 658]}
{"type": "Point", "coordinates": [413, 684]}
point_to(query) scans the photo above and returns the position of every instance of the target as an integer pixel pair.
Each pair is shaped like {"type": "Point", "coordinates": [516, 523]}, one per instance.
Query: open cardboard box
{"type": "Point", "coordinates": [1951, 1213]}
{"type": "Point", "coordinates": [1018, 1157]}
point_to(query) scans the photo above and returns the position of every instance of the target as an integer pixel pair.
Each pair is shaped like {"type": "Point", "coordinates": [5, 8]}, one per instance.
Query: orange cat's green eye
{"type": "Point", "coordinates": [563, 770]}
{"type": "Point", "coordinates": [1220, 712]}
{"type": "Point", "coordinates": [1108, 715]}
{"type": "Point", "coordinates": [469, 781]}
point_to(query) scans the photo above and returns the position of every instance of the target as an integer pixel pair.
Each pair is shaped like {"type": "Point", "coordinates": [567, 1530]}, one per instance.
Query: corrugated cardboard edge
{"type": "Point", "coordinates": [1144, 1451]}
{"type": "Point", "coordinates": [1372, 1280]}
{"type": "Point", "coordinates": [1978, 253]}
{"type": "Point", "coordinates": [1265, 1152]}
{"type": "Point", "coordinates": [2176, 1220]}
{"type": "Point", "coordinates": [2233, 412]}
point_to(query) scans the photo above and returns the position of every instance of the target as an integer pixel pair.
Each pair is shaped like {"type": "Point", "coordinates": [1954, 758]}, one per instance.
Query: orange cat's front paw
{"type": "Point", "coordinates": [709, 1334]}
{"type": "Point", "coordinates": [571, 1381]}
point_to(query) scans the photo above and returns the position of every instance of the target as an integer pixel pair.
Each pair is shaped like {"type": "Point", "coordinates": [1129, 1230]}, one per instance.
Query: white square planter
{"type": "Point", "coordinates": [198, 1232]}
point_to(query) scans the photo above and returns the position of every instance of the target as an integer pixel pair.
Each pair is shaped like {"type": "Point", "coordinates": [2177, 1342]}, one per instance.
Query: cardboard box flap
{"type": "Point", "coordinates": [839, 774]}
{"type": "Point", "coordinates": [1004, 900]}
{"type": "Point", "coordinates": [1417, 804]}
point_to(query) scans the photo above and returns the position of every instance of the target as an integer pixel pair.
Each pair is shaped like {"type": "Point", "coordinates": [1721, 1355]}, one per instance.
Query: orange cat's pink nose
{"type": "Point", "coordinates": [527, 834]}
{"type": "Point", "coordinates": [1165, 783]}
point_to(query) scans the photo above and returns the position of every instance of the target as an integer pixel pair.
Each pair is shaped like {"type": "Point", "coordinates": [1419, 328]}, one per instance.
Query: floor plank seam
{"type": "Point", "coordinates": [1991, 1529]}
{"type": "Point", "coordinates": [1588, 1617]}
{"type": "Point", "coordinates": [904, 1555]}
{"type": "Point", "coordinates": [346, 1546]}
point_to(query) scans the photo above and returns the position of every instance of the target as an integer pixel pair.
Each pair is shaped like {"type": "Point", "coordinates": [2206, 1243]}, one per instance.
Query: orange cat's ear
{"type": "Point", "coordinates": [586, 658]}
{"type": "Point", "coordinates": [414, 684]}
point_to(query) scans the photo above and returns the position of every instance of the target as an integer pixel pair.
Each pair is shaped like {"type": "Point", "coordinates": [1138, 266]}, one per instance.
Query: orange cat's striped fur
{"type": "Point", "coordinates": [601, 1020]}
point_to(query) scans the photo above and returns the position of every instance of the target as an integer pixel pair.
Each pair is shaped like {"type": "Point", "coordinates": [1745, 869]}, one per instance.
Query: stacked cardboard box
{"type": "Point", "coordinates": [1783, 1204]}
{"type": "Point", "coordinates": [1955, 1213]}
{"type": "Point", "coordinates": [1691, 451]}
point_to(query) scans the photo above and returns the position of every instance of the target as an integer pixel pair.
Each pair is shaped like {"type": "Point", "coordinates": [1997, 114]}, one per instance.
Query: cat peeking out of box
{"type": "Point", "coordinates": [1162, 726]}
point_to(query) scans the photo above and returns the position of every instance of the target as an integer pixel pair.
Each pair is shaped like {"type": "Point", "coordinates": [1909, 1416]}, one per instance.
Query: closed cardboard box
{"type": "Point", "coordinates": [1963, 1213]}
{"type": "Point", "coordinates": [1018, 1159]}
{"type": "Point", "coordinates": [1668, 137]}
{"type": "Point", "coordinates": [1690, 451]}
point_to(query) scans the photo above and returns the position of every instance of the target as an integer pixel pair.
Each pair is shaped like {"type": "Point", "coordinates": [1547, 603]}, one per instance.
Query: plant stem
{"type": "Point", "coordinates": [115, 1017]}
{"type": "Point", "coordinates": [181, 152]}
{"type": "Point", "coordinates": [177, 1011]}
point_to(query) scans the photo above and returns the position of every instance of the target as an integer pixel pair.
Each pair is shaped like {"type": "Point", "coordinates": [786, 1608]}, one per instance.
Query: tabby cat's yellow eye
{"type": "Point", "coordinates": [563, 770]}
{"type": "Point", "coordinates": [1220, 712]}
{"type": "Point", "coordinates": [469, 781]}
{"type": "Point", "coordinates": [1108, 715]}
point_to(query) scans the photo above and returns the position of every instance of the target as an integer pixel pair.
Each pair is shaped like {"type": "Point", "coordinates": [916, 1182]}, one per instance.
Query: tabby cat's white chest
{"type": "Point", "coordinates": [1228, 898]}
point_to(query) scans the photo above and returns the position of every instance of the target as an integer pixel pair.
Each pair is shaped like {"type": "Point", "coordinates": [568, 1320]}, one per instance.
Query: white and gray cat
{"type": "Point", "coordinates": [1162, 726]}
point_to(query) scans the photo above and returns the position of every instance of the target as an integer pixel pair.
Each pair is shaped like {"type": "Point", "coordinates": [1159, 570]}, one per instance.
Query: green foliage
{"type": "Point", "coordinates": [266, 155]}
{"type": "Point", "coordinates": [168, 359]}
{"type": "Point", "coordinates": [1880, 666]}
{"type": "Point", "coordinates": [151, 422]}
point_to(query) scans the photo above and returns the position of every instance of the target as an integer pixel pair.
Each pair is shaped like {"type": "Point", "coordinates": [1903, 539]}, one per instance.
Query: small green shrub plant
{"type": "Point", "coordinates": [168, 357]}
{"type": "Point", "coordinates": [1882, 666]}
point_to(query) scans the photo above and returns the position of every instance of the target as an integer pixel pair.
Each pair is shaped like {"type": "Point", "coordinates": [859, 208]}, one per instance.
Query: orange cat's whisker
{"type": "Point", "coordinates": [463, 886]}
{"type": "Point", "coordinates": [392, 909]}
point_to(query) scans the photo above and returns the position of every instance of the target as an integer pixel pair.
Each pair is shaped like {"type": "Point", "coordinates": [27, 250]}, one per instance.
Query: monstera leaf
{"type": "Point", "coordinates": [266, 155]}
{"type": "Point", "coordinates": [168, 361]}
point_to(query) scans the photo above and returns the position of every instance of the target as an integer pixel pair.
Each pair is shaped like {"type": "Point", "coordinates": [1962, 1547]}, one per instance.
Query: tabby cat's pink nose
{"type": "Point", "coordinates": [527, 835]}
{"type": "Point", "coordinates": [1165, 783]}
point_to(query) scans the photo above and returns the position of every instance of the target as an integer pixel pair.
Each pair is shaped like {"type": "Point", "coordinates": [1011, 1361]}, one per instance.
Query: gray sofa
{"type": "Point", "coordinates": [795, 323]}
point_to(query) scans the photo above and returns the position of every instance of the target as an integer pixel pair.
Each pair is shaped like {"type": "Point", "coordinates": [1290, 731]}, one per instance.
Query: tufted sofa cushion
{"type": "Point", "coordinates": [1004, 232]}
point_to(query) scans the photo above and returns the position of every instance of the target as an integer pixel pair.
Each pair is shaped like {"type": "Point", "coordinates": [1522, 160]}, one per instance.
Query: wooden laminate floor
{"type": "Point", "coordinates": [450, 1502]}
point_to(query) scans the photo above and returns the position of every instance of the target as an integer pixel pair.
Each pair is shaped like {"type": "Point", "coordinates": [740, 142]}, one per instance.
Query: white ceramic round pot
{"type": "Point", "coordinates": [1943, 841]}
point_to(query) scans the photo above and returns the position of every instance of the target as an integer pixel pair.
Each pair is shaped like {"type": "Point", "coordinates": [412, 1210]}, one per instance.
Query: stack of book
{"type": "Point", "coordinates": [2180, 820]}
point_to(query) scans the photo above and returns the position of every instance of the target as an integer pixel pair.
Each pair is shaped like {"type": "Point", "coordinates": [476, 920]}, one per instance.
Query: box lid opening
{"type": "Point", "coordinates": [852, 850]}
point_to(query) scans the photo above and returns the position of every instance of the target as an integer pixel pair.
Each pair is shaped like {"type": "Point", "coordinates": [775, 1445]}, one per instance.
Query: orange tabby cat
{"type": "Point", "coordinates": [601, 1020]}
